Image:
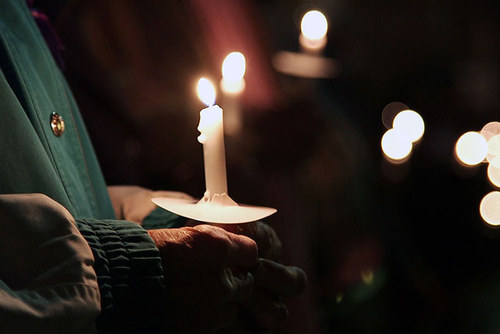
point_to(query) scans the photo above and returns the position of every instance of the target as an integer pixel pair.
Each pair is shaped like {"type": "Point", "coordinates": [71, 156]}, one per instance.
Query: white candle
{"type": "Point", "coordinates": [232, 85]}
{"type": "Point", "coordinates": [313, 28]}
{"type": "Point", "coordinates": [212, 138]}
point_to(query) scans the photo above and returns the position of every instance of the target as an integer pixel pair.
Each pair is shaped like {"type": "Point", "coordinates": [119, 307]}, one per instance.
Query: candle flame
{"type": "Point", "coordinates": [314, 25]}
{"type": "Point", "coordinates": [396, 145]}
{"type": "Point", "coordinates": [490, 208]}
{"type": "Point", "coordinates": [410, 122]}
{"type": "Point", "coordinates": [233, 67]}
{"type": "Point", "coordinates": [471, 148]}
{"type": "Point", "coordinates": [494, 171]}
{"type": "Point", "coordinates": [206, 91]}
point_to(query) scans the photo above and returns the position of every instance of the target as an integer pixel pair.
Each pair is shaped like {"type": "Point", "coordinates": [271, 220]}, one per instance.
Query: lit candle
{"type": "Point", "coordinates": [232, 85]}
{"type": "Point", "coordinates": [233, 71]}
{"type": "Point", "coordinates": [212, 137]}
{"type": "Point", "coordinates": [313, 31]}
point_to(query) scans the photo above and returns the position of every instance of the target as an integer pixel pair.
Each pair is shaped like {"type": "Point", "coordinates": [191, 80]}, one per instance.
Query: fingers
{"type": "Point", "coordinates": [264, 235]}
{"type": "Point", "coordinates": [241, 286]}
{"type": "Point", "coordinates": [279, 280]}
{"type": "Point", "coordinates": [243, 251]}
{"type": "Point", "coordinates": [171, 194]}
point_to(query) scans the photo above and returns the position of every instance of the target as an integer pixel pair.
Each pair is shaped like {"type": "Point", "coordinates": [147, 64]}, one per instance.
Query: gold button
{"type": "Point", "coordinates": [57, 124]}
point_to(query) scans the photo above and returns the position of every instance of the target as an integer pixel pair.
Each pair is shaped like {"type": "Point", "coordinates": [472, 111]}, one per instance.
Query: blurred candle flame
{"type": "Point", "coordinates": [206, 91]}
{"type": "Point", "coordinates": [493, 147]}
{"type": "Point", "coordinates": [396, 144]}
{"type": "Point", "coordinates": [471, 148]}
{"type": "Point", "coordinates": [490, 208]}
{"type": "Point", "coordinates": [411, 122]}
{"type": "Point", "coordinates": [494, 171]}
{"type": "Point", "coordinates": [490, 129]}
{"type": "Point", "coordinates": [233, 67]}
{"type": "Point", "coordinates": [314, 25]}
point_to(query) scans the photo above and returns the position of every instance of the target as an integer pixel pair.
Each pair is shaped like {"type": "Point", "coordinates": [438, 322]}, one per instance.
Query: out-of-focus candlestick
{"type": "Point", "coordinates": [233, 85]}
{"type": "Point", "coordinates": [309, 62]}
{"type": "Point", "coordinates": [212, 137]}
{"type": "Point", "coordinates": [313, 27]}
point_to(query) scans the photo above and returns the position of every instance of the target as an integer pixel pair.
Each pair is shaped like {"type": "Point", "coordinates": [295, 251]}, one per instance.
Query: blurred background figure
{"type": "Point", "coordinates": [388, 248]}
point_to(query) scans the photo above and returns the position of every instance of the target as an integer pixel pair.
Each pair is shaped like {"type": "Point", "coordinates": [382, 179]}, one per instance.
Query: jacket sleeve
{"type": "Point", "coordinates": [130, 276]}
{"type": "Point", "coordinates": [47, 281]}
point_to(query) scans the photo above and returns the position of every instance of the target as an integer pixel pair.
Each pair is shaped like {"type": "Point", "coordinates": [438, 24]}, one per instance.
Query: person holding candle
{"type": "Point", "coordinates": [74, 257]}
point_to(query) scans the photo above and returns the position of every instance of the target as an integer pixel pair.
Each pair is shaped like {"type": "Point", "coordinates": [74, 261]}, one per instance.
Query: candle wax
{"type": "Point", "coordinates": [212, 137]}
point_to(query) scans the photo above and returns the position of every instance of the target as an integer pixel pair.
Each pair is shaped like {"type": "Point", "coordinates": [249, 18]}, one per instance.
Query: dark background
{"type": "Point", "coordinates": [387, 248]}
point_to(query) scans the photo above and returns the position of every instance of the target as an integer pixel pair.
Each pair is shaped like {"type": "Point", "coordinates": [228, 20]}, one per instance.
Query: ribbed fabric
{"type": "Point", "coordinates": [130, 276]}
{"type": "Point", "coordinates": [161, 218]}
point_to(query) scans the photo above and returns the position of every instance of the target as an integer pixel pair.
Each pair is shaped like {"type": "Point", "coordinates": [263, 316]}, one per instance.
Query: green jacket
{"type": "Point", "coordinates": [34, 160]}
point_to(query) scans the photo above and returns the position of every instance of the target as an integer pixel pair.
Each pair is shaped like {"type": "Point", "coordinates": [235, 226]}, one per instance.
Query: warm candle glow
{"type": "Point", "coordinates": [212, 137]}
{"type": "Point", "coordinates": [233, 67]}
{"type": "Point", "coordinates": [206, 91]}
{"type": "Point", "coordinates": [471, 148]}
{"type": "Point", "coordinates": [493, 147]}
{"type": "Point", "coordinates": [314, 25]}
{"type": "Point", "coordinates": [396, 144]}
{"type": "Point", "coordinates": [491, 129]}
{"type": "Point", "coordinates": [410, 122]}
{"type": "Point", "coordinates": [494, 171]}
{"type": "Point", "coordinates": [490, 208]}
{"type": "Point", "coordinates": [233, 71]}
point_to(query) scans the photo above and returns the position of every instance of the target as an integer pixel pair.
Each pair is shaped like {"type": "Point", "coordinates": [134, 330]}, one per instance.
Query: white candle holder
{"type": "Point", "coordinates": [219, 209]}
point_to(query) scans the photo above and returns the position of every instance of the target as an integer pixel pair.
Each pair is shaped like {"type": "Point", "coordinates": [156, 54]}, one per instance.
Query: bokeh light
{"type": "Point", "coordinates": [396, 144]}
{"type": "Point", "coordinates": [493, 148]}
{"type": "Point", "coordinates": [490, 208]}
{"type": "Point", "coordinates": [206, 91]}
{"type": "Point", "coordinates": [494, 171]}
{"type": "Point", "coordinates": [390, 111]}
{"type": "Point", "coordinates": [233, 67]}
{"type": "Point", "coordinates": [410, 122]}
{"type": "Point", "coordinates": [367, 276]}
{"type": "Point", "coordinates": [491, 129]}
{"type": "Point", "coordinates": [314, 25]}
{"type": "Point", "coordinates": [471, 148]}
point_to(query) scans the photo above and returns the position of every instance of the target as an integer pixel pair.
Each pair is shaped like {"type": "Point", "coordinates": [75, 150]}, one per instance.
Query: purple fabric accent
{"type": "Point", "coordinates": [48, 33]}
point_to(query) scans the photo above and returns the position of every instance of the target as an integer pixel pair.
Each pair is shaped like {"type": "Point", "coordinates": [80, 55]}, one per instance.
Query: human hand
{"type": "Point", "coordinates": [133, 203]}
{"type": "Point", "coordinates": [264, 310]}
{"type": "Point", "coordinates": [206, 270]}
{"type": "Point", "coordinates": [264, 235]}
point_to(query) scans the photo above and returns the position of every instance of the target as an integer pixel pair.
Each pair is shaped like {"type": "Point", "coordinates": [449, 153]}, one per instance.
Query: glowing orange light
{"type": "Point", "coordinates": [396, 144]}
{"type": "Point", "coordinates": [471, 148]}
{"type": "Point", "coordinates": [490, 208]}
{"type": "Point", "coordinates": [314, 25]}
{"type": "Point", "coordinates": [410, 122]}
{"type": "Point", "coordinates": [494, 171]}
{"type": "Point", "coordinates": [206, 91]}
